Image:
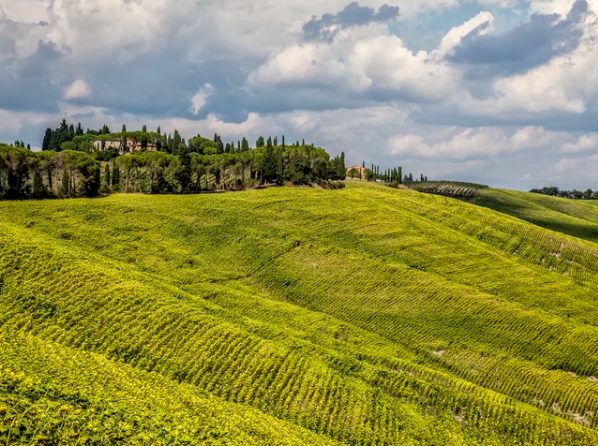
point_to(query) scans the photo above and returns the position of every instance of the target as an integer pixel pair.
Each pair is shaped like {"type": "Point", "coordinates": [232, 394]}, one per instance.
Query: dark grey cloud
{"type": "Point", "coordinates": [326, 27]}
{"type": "Point", "coordinates": [526, 46]}
{"type": "Point", "coordinates": [34, 82]}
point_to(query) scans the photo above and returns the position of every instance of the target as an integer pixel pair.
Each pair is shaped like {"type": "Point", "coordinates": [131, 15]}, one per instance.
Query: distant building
{"type": "Point", "coordinates": [131, 146]}
{"type": "Point", "coordinates": [360, 175]}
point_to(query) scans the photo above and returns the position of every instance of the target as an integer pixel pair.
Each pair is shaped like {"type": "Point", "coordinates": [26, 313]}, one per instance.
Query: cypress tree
{"type": "Point", "coordinates": [283, 144]}
{"type": "Point", "coordinates": [115, 177]}
{"type": "Point", "coordinates": [185, 173]}
{"type": "Point", "coordinates": [107, 178]}
{"type": "Point", "coordinates": [342, 169]}
{"type": "Point", "coordinates": [39, 191]}
{"type": "Point", "coordinates": [65, 185]}
{"type": "Point", "coordinates": [47, 139]}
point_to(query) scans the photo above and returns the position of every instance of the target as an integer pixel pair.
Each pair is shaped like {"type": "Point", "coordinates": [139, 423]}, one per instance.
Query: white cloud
{"type": "Point", "coordinates": [30, 11]}
{"type": "Point", "coordinates": [567, 83]}
{"type": "Point", "coordinates": [454, 36]}
{"type": "Point", "coordinates": [369, 60]}
{"type": "Point", "coordinates": [474, 143]}
{"type": "Point", "coordinates": [77, 90]}
{"type": "Point", "coordinates": [585, 143]}
{"type": "Point", "coordinates": [561, 7]}
{"type": "Point", "coordinates": [200, 99]}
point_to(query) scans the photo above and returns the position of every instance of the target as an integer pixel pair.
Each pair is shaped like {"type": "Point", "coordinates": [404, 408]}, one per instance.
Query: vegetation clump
{"type": "Point", "coordinates": [454, 189]}
{"type": "Point", "coordinates": [74, 163]}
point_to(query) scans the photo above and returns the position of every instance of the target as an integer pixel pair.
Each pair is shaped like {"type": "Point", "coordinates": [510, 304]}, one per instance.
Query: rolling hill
{"type": "Point", "coordinates": [578, 218]}
{"type": "Point", "coordinates": [362, 316]}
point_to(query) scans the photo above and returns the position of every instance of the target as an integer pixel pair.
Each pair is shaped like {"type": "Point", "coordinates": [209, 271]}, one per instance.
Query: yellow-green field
{"type": "Point", "coordinates": [578, 218]}
{"type": "Point", "coordinates": [363, 316]}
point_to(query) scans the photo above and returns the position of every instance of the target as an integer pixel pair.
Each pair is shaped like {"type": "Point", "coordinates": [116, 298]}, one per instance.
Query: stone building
{"type": "Point", "coordinates": [360, 175]}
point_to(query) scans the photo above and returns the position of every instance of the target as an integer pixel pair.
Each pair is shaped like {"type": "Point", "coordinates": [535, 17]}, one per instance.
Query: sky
{"type": "Point", "coordinates": [499, 92]}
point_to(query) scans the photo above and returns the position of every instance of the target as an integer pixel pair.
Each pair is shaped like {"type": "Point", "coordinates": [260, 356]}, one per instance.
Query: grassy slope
{"type": "Point", "coordinates": [573, 217]}
{"type": "Point", "coordinates": [367, 316]}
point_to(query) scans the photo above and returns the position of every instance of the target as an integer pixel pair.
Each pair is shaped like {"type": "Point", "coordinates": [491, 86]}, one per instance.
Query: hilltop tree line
{"type": "Point", "coordinates": [573, 194]}
{"type": "Point", "coordinates": [391, 175]}
{"type": "Point", "coordinates": [76, 163]}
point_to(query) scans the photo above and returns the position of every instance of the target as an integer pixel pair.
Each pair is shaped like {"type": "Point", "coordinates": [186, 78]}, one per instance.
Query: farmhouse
{"type": "Point", "coordinates": [358, 172]}
{"type": "Point", "coordinates": [132, 145]}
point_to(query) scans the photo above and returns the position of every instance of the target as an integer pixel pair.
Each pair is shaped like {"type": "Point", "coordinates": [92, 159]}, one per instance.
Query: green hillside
{"type": "Point", "coordinates": [362, 316]}
{"type": "Point", "coordinates": [578, 218]}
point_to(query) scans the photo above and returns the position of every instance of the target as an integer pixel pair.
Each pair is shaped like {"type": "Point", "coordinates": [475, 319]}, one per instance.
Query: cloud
{"type": "Point", "coordinates": [479, 25]}
{"type": "Point", "coordinates": [527, 45]}
{"type": "Point", "coordinates": [77, 90]}
{"type": "Point", "coordinates": [329, 25]}
{"type": "Point", "coordinates": [473, 143]}
{"type": "Point", "coordinates": [371, 64]}
{"type": "Point", "coordinates": [585, 143]}
{"type": "Point", "coordinates": [200, 99]}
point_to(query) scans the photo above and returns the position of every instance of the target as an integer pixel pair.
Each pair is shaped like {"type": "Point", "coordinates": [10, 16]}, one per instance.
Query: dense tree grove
{"type": "Point", "coordinates": [24, 173]}
{"type": "Point", "coordinates": [77, 163]}
{"type": "Point", "coordinates": [574, 194]}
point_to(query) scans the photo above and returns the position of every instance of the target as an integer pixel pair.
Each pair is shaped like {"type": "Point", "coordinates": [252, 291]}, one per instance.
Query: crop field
{"type": "Point", "coordinates": [578, 218]}
{"type": "Point", "coordinates": [361, 316]}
